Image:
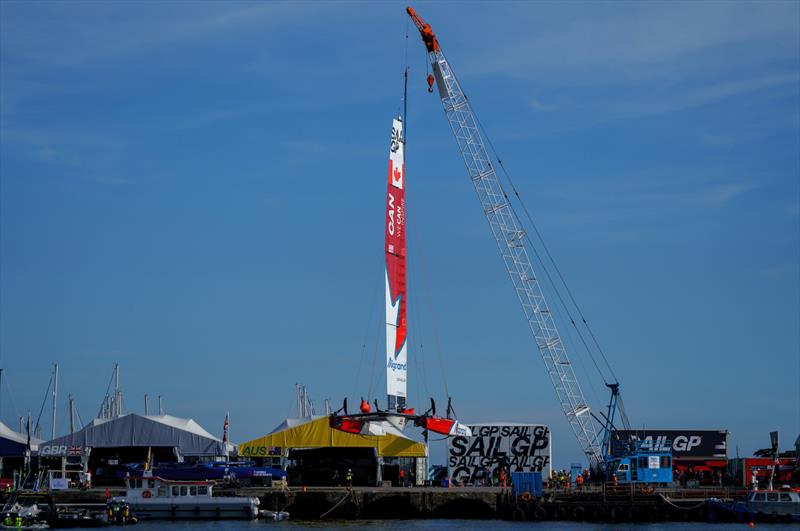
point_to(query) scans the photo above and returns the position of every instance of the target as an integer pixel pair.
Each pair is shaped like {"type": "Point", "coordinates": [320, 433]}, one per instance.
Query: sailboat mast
{"type": "Point", "coordinates": [396, 302]}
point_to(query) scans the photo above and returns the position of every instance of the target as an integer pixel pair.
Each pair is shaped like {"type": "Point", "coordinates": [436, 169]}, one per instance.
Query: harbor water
{"type": "Point", "coordinates": [452, 525]}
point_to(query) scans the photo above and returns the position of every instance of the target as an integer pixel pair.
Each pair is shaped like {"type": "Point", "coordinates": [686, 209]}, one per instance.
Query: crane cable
{"type": "Point", "coordinates": [550, 258]}
{"type": "Point", "coordinates": [553, 285]}
{"type": "Point", "coordinates": [409, 221]}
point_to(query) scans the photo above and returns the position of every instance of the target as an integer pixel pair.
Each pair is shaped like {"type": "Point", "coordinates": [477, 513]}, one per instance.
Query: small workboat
{"type": "Point", "coordinates": [274, 515]}
{"type": "Point", "coordinates": [760, 506]}
{"type": "Point", "coordinates": [152, 497]}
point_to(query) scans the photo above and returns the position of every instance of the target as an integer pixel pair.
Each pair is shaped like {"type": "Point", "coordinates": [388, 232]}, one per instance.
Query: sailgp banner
{"type": "Point", "coordinates": [516, 447]}
{"type": "Point", "coordinates": [396, 364]}
{"type": "Point", "coordinates": [696, 444]}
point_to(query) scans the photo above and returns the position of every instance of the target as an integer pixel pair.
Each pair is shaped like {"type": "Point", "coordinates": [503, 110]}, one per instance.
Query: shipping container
{"type": "Point", "coordinates": [526, 483]}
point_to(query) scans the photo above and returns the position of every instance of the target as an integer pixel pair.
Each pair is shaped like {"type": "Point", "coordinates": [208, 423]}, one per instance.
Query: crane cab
{"type": "Point", "coordinates": [642, 466]}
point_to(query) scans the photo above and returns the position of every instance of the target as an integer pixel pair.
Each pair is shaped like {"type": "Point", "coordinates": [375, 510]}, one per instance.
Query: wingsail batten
{"type": "Point", "coordinates": [396, 301]}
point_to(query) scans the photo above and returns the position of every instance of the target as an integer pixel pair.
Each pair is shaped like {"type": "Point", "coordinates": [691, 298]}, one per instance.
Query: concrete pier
{"type": "Point", "coordinates": [377, 502]}
{"type": "Point", "coordinates": [610, 504]}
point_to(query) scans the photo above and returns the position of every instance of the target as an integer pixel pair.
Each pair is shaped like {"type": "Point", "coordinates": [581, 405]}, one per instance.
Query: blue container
{"type": "Point", "coordinates": [526, 482]}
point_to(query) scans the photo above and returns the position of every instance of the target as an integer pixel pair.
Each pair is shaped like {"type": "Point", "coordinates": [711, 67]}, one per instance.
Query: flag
{"type": "Point", "coordinates": [225, 430]}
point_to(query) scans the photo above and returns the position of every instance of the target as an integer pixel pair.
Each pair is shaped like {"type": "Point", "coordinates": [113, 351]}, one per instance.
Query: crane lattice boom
{"type": "Point", "coordinates": [512, 243]}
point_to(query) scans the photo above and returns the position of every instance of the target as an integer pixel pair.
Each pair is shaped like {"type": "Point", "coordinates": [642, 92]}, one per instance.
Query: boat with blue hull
{"type": "Point", "coordinates": [760, 506]}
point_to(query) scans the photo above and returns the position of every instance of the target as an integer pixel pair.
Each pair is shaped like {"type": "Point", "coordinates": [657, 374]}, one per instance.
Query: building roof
{"type": "Point", "coordinates": [13, 443]}
{"type": "Point", "coordinates": [133, 430]}
{"type": "Point", "coordinates": [315, 432]}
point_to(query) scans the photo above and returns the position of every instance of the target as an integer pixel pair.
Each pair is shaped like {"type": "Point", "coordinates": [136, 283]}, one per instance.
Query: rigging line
{"type": "Point", "coordinates": [418, 262]}
{"type": "Point", "coordinates": [546, 248]}
{"type": "Point", "coordinates": [49, 383]}
{"type": "Point", "coordinates": [370, 318]}
{"type": "Point", "coordinates": [7, 383]}
{"type": "Point", "coordinates": [372, 371]}
{"type": "Point", "coordinates": [108, 388]}
{"type": "Point", "coordinates": [405, 86]}
{"type": "Point", "coordinates": [416, 332]}
{"type": "Point", "coordinates": [542, 262]}
{"type": "Point", "coordinates": [424, 376]}
{"type": "Point", "coordinates": [424, 292]}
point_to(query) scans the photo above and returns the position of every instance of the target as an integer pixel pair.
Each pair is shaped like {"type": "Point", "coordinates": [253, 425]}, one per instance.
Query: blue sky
{"type": "Point", "coordinates": [195, 190]}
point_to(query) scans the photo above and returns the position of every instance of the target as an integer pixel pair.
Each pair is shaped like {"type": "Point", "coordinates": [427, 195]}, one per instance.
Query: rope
{"type": "Point", "coordinates": [347, 495]}
{"type": "Point", "coordinates": [693, 507]}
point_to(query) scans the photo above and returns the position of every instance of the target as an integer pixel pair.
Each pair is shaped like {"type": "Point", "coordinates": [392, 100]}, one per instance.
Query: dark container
{"type": "Point", "coordinates": [526, 482]}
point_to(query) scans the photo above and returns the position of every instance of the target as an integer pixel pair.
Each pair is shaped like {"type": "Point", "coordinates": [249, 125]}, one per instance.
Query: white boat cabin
{"type": "Point", "coordinates": [155, 487]}
{"type": "Point", "coordinates": [772, 496]}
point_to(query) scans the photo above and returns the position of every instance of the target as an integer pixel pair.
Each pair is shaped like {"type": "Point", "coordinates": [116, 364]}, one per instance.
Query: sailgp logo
{"type": "Point", "coordinates": [396, 366]}
{"type": "Point", "coordinates": [395, 143]}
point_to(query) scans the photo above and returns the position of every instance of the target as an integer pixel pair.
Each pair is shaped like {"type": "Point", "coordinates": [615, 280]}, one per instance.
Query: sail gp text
{"type": "Point", "coordinates": [518, 448]}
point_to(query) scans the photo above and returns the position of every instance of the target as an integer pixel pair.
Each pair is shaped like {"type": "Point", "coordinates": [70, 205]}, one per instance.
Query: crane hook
{"type": "Point", "coordinates": [430, 82]}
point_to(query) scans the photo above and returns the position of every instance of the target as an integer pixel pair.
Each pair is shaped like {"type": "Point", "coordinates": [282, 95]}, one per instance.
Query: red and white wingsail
{"type": "Point", "coordinates": [396, 416]}
{"type": "Point", "coordinates": [396, 301]}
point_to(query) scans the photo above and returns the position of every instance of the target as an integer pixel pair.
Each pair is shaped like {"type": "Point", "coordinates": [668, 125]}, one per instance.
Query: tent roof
{"type": "Point", "coordinates": [315, 432]}
{"type": "Point", "coordinates": [14, 443]}
{"type": "Point", "coordinates": [168, 420]}
{"type": "Point", "coordinates": [138, 430]}
{"type": "Point", "coordinates": [291, 423]}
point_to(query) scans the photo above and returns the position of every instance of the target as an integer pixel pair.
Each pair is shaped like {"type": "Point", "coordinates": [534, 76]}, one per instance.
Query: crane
{"type": "Point", "coordinates": [512, 243]}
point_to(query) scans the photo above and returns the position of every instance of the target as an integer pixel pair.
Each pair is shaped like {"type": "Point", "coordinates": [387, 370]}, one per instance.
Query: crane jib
{"type": "Point", "coordinates": [509, 235]}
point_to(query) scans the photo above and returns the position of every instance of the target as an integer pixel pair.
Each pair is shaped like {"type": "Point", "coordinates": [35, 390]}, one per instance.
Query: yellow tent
{"type": "Point", "coordinates": [317, 433]}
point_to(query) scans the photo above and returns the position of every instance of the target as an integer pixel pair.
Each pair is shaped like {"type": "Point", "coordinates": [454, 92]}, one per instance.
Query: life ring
{"type": "Point", "coordinates": [147, 494]}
